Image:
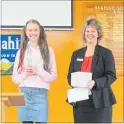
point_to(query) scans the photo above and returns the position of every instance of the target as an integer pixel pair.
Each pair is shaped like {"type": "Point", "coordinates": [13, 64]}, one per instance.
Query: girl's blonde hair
{"type": "Point", "coordinates": [42, 42]}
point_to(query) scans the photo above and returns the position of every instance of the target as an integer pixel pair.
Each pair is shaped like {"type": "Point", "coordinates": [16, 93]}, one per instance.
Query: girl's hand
{"type": "Point", "coordinates": [28, 71]}
{"type": "Point", "coordinates": [35, 71]}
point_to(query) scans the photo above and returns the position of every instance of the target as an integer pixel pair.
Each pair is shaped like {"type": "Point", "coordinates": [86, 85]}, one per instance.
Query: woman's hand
{"type": "Point", "coordinates": [91, 84]}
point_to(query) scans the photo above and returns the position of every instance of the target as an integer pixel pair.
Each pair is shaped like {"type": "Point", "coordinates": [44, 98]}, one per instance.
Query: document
{"type": "Point", "coordinates": [77, 94]}
{"type": "Point", "coordinates": [80, 79]}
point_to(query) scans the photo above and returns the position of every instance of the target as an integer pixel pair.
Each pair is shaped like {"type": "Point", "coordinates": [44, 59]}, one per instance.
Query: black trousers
{"type": "Point", "coordinates": [92, 115]}
{"type": "Point", "coordinates": [85, 112]}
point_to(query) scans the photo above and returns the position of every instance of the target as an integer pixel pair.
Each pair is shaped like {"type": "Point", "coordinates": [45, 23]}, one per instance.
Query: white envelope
{"type": "Point", "coordinates": [77, 94]}
{"type": "Point", "coordinates": [80, 79]}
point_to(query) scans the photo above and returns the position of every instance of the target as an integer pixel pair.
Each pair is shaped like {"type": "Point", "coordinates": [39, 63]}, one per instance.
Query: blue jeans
{"type": "Point", "coordinates": [36, 105]}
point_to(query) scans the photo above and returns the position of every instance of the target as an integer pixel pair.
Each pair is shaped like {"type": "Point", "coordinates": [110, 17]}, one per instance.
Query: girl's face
{"type": "Point", "coordinates": [91, 35]}
{"type": "Point", "coordinates": [33, 32]}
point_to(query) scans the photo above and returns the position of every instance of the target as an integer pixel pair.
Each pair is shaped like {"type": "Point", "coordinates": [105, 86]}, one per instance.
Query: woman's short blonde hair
{"type": "Point", "coordinates": [95, 24]}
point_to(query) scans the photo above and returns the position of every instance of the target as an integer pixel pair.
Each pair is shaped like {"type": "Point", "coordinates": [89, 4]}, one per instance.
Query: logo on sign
{"type": "Point", "coordinates": [10, 44]}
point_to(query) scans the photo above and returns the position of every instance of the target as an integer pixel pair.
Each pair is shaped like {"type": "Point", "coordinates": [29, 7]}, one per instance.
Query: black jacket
{"type": "Point", "coordinates": [103, 73]}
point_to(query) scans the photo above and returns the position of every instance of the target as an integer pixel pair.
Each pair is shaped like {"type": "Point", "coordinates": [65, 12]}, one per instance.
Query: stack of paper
{"type": "Point", "coordinates": [77, 94]}
{"type": "Point", "coordinates": [79, 80]}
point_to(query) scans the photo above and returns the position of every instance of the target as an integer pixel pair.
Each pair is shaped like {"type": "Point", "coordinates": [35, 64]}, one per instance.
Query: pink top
{"type": "Point", "coordinates": [34, 58]}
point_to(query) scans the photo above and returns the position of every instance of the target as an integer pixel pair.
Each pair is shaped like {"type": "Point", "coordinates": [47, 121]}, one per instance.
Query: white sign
{"type": "Point", "coordinates": [51, 14]}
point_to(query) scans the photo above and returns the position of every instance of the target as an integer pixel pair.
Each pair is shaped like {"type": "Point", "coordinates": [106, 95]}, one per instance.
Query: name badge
{"type": "Point", "coordinates": [79, 59]}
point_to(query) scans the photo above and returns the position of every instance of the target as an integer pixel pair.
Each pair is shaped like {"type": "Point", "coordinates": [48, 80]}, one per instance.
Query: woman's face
{"type": "Point", "coordinates": [33, 32]}
{"type": "Point", "coordinates": [91, 35]}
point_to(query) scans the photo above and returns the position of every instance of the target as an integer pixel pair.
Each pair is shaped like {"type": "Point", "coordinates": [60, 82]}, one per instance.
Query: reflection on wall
{"type": "Point", "coordinates": [110, 14]}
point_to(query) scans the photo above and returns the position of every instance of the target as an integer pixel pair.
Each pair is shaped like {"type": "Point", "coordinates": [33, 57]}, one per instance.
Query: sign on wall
{"type": "Point", "coordinates": [10, 44]}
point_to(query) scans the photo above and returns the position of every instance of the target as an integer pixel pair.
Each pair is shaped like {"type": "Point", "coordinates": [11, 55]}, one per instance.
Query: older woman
{"type": "Point", "coordinates": [100, 62]}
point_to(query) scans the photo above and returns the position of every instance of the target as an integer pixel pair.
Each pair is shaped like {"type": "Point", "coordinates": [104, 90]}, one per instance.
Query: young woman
{"type": "Point", "coordinates": [34, 69]}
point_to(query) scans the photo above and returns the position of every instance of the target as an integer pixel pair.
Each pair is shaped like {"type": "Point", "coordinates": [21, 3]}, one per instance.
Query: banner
{"type": "Point", "coordinates": [10, 44]}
